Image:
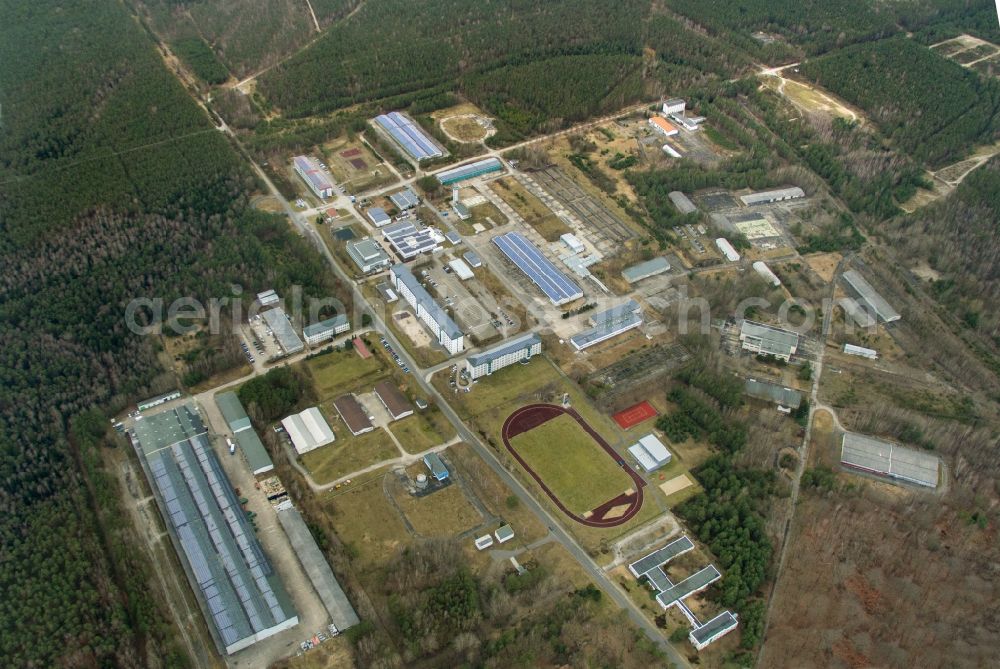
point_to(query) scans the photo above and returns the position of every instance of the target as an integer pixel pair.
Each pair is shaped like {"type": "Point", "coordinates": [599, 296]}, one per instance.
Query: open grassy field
{"type": "Point", "coordinates": [348, 453]}
{"type": "Point", "coordinates": [365, 520]}
{"type": "Point", "coordinates": [422, 430]}
{"type": "Point", "coordinates": [353, 165]}
{"type": "Point", "coordinates": [444, 513]}
{"type": "Point", "coordinates": [572, 464]}
{"type": "Point", "coordinates": [530, 208]}
{"type": "Point", "coordinates": [342, 371]}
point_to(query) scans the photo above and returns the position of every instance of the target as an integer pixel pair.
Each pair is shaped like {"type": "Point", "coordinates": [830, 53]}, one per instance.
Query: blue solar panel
{"type": "Point", "coordinates": [413, 139]}
{"type": "Point", "coordinates": [543, 273]}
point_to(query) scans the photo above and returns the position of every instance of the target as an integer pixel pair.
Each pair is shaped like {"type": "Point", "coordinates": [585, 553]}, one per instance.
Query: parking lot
{"type": "Point", "coordinates": [259, 343]}
{"type": "Point", "coordinates": [472, 306]}
{"type": "Point", "coordinates": [395, 356]}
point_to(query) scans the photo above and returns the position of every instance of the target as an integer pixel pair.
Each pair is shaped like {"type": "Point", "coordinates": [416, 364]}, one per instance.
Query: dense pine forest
{"type": "Point", "coordinates": [113, 184]}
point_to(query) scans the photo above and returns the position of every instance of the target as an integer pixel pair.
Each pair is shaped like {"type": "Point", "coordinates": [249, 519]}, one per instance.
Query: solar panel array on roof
{"type": "Point", "coordinates": [409, 241]}
{"type": "Point", "coordinates": [692, 584]}
{"type": "Point", "coordinates": [469, 171]}
{"type": "Point", "coordinates": [606, 330]}
{"type": "Point", "coordinates": [404, 199]}
{"type": "Point", "coordinates": [309, 170]}
{"type": "Point", "coordinates": [713, 629]}
{"type": "Point", "coordinates": [409, 136]}
{"type": "Point", "coordinates": [646, 269]}
{"type": "Point", "coordinates": [761, 338]}
{"type": "Point", "coordinates": [661, 556]}
{"type": "Point", "coordinates": [243, 599]}
{"type": "Point", "coordinates": [537, 267]}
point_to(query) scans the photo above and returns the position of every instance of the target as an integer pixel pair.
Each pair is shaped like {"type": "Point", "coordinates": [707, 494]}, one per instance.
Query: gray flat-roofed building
{"type": "Point", "coordinates": [446, 332]}
{"type": "Point", "coordinates": [857, 312]}
{"type": "Point", "coordinates": [890, 460]}
{"type": "Point", "coordinates": [326, 329]}
{"type": "Point", "coordinates": [768, 196]}
{"type": "Point", "coordinates": [768, 340]}
{"type": "Point", "coordinates": [504, 354]}
{"type": "Point", "coordinates": [473, 259]}
{"type": "Point", "coordinates": [646, 269]}
{"type": "Point", "coordinates": [696, 582]}
{"type": "Point", "coordinates": [318, 570]}
{"type": "Point", "coordinates": [717, 627]}
{"type": "Point", "coordinates": [283, 331]}
{"type": "Point", "coordinates": [404, 199]}
{"type": "Point", "coordinates": [870, 297]}
{"type": "Point", "coordinates": [368, 255]}
{"type": "Point", "coordinates": [606, 330]}
{"type": "Point", "coordinates": [268, 298]}
{"type": "Point", "coordinates": [251, 447]}
{"type": "Point", "coordinates": [681, 201]}
{"type": "Point", "coordinates": [661, 556]}
{"type": "Point", "coordinates": [658, 578]}
{"type": "Point", "coordinates": [236, 586]}
{"type": "Point", "coordinates": [772, 392]}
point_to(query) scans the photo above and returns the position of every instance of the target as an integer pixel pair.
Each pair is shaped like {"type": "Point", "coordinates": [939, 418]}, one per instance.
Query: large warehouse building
{"type": "Point", "coordinates": [870, 297]}
{"type": "Point", "coordinates": [504, 354]}
{"type": "Point", "coordinates": [446, 332]}
{"type": "Point", "coordinates": [470, 171]}
{"type": "Point", "coordinates": [769, 196]}
{"type": "Point", "coordinates": [288, 339]}
{"type": "Point", "coordinates": [308, 430]}
{"type": "Point", "coordinates": [887, 459]}
{"type": "Point", "coordinates": [646, 269]}
{"type": "Point", "coordinates": [607, 324]}
{"type": "Point", "coordinates": [235, 584]}
{"type": "Point", "coordinates": [409, 136]}
{"type": "Point", "coordinates": [314, 176]}
{"type": "Point", "coordinates": [768, 340]}
{"type": "Point", "coordinates": [538, 268]}
{"type": "Point", "coordinates": [354, 415]}
{"type": "Point", "coordinates": [409, 241]}
{"type": "Point", "coordinates": [393, 399]}
{"type": "Point", "coordinates": [650, 453]}
{"type": "Point", "coordinates": [250, 445]}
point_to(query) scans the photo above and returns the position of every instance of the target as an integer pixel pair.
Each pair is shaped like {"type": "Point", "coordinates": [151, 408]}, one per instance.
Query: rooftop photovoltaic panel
{"type": "Point", "coordinates": [888, 459]}
{"type": "Point", "coordinates": [688, 586]}
{"type": "Point", "coordinates": [661, 556]}
{"type": "Point", "coordinates": [410, 136]}
{"type": "Point", "coordinates": [721, 623]}
{"type": "Point", "coordinates": [310, 170]}
{"type": "Point", "coordinates": [537, 267]}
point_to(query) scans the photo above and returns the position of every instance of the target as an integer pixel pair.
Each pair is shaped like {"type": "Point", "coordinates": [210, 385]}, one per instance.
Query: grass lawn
{"type": "Point", "coordinates": [572, 464]}
{"type": "Point", "coordinates": [422, 430]}
{"type": "Point", "coordinates": [500, 388]}
{"type": "Point", "coordinates": [349, 454]}
{"type": "Point", "coordinates": [342, 371]}
{"type": "Point", "coordinates": [444, 513]}
{"type": "Point", "coordinates": [365, 520]}
{"type": "Point", "coordinates": [530, 208]}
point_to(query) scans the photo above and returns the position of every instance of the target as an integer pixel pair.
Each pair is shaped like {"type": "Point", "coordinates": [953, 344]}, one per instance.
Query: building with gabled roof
{"type": "Point", "coordinates": [251, 447]}
{"type": "Point", "coordinates": [870, 297]}
{"type": "Point", "coordinates": [393, 399]}
{"type": "Point", "coordinates": [308, 430]}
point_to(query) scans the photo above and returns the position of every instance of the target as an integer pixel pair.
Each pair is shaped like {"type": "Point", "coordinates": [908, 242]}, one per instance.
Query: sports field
{"type": "Point", "coordinates": [572, 464]}
{"type": "Point", "coordinates": [634, 415]}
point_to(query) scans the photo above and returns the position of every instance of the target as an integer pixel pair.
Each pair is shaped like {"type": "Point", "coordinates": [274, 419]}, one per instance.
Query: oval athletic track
{"type": "Point", "coordinates": [531, 416]}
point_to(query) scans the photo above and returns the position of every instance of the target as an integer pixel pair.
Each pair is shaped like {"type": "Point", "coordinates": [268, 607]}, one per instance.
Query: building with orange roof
{"type": "Point", "coordinates": [663, 126]}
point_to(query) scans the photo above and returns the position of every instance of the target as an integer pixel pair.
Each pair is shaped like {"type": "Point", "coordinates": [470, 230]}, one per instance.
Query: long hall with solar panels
{"type": "Point", "coordinates": [409, 135]}
{"type": "Point", "coordinates": [537, 267]}
{"type": "Point", "coordinates": [241, 595]}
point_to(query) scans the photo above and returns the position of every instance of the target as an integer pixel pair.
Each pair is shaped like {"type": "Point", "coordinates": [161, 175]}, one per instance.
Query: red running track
{"type": "Point", "coordinates": [531, 416]}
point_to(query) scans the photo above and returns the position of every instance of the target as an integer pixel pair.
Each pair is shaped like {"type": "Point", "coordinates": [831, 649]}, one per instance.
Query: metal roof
{"type": "Point", "coordinates": [253, 450]}
{"type": "Point", "coordinates": [470, 170]}
{"type": "Point", "coordinates": [645, 269]}
{"type": "Point", "coordinates": [424, 299]}
{"type": "Point", "coordinates": [436, 466]}
{"type": "Point", "coordinates": [461, 270]}
{"type": "Point", "coordinates": [395, 402]}
{"type": "Point", "coordinates": [616, 314]}
{"type": "Point", "coordinates": [160, 430]}
{"type": "Point", "coordinates": [308, 430]}
{"type": "Point", "coordinates": [473, 259]}
{"type": "Point", "coordinates": [367, 252]}
{"type": "Point", "coordinates": [871, 297]}
{"type": "Point", "coordinates": [232, 411]}
{"type": "Point", "coordinates": [537, 267]}
{"type": "Point", "coordinates": [378, 216]}
{"type": "Point", "coordinates": [888, 459]}
{"type": "Point", "coordinates": [766, 196]}
{"type": "Point", "coordinates": [405, 199]}
{"type": "Point", "coordinates": [283, 330]}
{"type": "Point", "coordinates": [518, 343]}
{"type": "Point", "coordinates": [409, 241]}
{"type": "Point", "coordinates": [682, 202]}
{"type": "Point", "coordinates": [409, 135]}
{"type": "Point", "coordinates": [857, 312]}
{"type": "Point", "coordinates": [772, 392]}
{"type": "Point", "coordinates": [453, 237]}
{"type": "Point", "coordinates": [692, 584]}
{"type": "Point", "coordinates": [309, 169]}
{"type": "Point", "coordinates": [353, 413]}
{"type": "Point", "coordinates": [661, 556]}
{"type": "Point", "coordinates": [242, 597]}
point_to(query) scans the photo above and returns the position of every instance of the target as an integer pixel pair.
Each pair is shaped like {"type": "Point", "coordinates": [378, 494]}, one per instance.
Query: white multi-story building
{"type": "Point", "coordinates": [328, 329]}
{"type": "Point", "coordinates": [504, 354]}
{"type": "Point", "coordinates": [316, 178]}
{"type": "Point", "coordinates": [444, 329]}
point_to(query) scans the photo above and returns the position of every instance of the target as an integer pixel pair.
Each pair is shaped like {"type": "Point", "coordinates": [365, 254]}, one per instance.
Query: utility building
{"type": "Point", "coordinates": [607, 324]}
{"type": "Point", "coordinates": [761, 268]}
{"type": "Point", "coordinates": [394, 401]}
{"type": "Point", "coordinates": [646, 269]}
{"type": "Point", "coordinates": [504, 354]}
{"type": "Point", "coordinates": [445, 331]}
{"type": "Point", "coordinates": [354, 415]}
{"type": "Point", "coordinates": [768, 340]}
{"type": "Point", "coordinates": [663, 126]}
{"type": "Point", "coordinates": [884, 458]}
